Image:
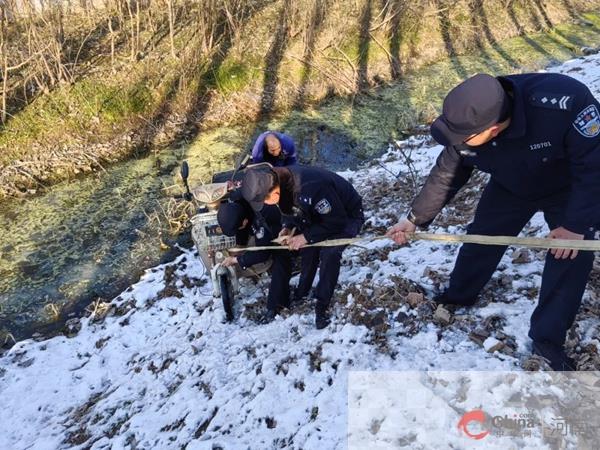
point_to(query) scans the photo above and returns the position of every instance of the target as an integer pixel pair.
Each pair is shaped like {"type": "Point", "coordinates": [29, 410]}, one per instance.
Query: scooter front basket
{"type": "Point", "coordinates": [207, 234]}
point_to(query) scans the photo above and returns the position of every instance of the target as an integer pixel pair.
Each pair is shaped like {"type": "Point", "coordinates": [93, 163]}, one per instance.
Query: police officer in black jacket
{"type": "Point", "coordinates": [320, 205]}
{"type": "Point", "coordinates": [237, 219]}
{"type": "Point", "coordinates": [538, 136]}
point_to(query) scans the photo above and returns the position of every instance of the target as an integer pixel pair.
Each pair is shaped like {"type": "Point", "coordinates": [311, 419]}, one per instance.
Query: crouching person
{"type": "Point", "coordinates": [239, 220]}
{"type": "Point", "coordinates": [320, 205]}
{"type": "Point", "coordinates": [275, 148]}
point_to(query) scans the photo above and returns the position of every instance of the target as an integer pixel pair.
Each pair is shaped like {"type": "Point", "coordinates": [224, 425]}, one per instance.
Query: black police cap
{"type": "Point", "coordinates": [256, 185]}
{"type": "Point", "coordinates": [471, 107]}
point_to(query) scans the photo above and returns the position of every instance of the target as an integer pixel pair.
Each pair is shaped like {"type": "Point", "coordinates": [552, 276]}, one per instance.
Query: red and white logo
{"type": "Point", "coordinates": [477, 415]}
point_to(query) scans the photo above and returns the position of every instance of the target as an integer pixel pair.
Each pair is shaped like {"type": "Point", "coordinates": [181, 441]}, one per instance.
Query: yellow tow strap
{"type": "Point", "coordinates": [453, 239]}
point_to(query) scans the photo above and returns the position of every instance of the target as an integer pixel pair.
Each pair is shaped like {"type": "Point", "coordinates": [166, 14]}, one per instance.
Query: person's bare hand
{"type": "Point", "coordinates": [285, 232]}
{"type": "Point", "coordinates": [230, 261]}
{"type": "Point", "coordinates": [563, 233]}
{"type": "Point", "coordinates": [284, 235]}
{"type": "Point", "coordinates": [398, 232]}
{"type": "Point", "coordinates": [297, 242]}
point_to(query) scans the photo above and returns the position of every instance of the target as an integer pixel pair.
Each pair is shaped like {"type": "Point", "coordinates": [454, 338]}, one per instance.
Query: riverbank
{"type": "Point", "coordinates": [157, 367]}
{"type": "Point", "coordinates": [334, 70]}
{"type": "Point", "coordinates": [74, 244]}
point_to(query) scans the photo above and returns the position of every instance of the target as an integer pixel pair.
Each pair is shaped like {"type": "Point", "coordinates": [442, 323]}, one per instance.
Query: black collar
{"type": "Point", "coordinates": [517, 126]}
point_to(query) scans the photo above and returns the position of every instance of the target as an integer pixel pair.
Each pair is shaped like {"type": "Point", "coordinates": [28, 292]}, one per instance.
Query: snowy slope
{"type": "Point", "coordinates": [162, 370]}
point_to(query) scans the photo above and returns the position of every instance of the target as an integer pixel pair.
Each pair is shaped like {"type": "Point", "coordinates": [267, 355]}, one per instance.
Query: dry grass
{"type": "Point", "coordinates": [53, 310]}
{"type": "Point", "coordinates": [282, 56]}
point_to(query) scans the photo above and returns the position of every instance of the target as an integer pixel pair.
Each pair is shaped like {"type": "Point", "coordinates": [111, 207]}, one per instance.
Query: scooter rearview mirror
{"type": "Point", "coordinates": [185, 170]}
{"type": "Point", "coordinates": [242, 162]}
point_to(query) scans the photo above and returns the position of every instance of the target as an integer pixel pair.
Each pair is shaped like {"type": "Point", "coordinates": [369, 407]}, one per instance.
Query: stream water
{"type": "Point", "coordinates": [90, 238]}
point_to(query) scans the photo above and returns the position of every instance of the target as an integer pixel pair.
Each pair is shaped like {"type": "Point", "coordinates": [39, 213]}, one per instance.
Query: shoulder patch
{"type": "Point", "coordinates": [552, 101]}
{"type": "Point", "coordinates": [260, 233]}
{"type": "Point", "coordinates": [323, 206]}
{"type": "Point", "coordinates": [587, 122]}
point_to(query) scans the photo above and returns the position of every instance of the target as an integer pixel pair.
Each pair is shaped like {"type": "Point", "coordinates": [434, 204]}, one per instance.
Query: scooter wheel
{"type": "Point", "coordinates": [226, 296]}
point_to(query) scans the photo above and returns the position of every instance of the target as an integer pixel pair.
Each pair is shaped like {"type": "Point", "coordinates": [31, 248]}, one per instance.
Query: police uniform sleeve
{"type": "Point", "coordinates": [582, 144]}
{"type": "Point", "coordinates": [288, 221]}
{"type": "Point", "coordinates": [267, 229]}
{"type": "Point", "coordinates": [242, 236]}
{"type": "Point", "coordinates": [444, 181]}
{"type": "Point", "coordinates": [248, 259]}
{"type": "Point", "coordinates": [328, 215]}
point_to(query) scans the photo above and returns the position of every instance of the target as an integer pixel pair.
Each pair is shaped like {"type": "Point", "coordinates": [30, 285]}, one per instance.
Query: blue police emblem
{"type": "Point", "coordinates": [323, 206]}
{"type": "Point", "coordinates": [587, 122]}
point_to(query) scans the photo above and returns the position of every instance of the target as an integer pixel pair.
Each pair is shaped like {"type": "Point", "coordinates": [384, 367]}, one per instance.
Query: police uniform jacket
{"type": "Point", "coordinates": [265, 227]}
{"type": "Point", "coordinates": [319, 203]}
{"type": "Point", "coordinates": [552, 144]}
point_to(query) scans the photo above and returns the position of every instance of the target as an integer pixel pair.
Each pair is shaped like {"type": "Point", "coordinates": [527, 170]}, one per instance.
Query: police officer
{"type": "Point", "coordinates": [538, 137]}
{"type": "Point", "coordinates": [238, 219]}
{"type": "Point", "coordinates": [321, 205]}
{"type": "Point", "coordinates": [276, 148]}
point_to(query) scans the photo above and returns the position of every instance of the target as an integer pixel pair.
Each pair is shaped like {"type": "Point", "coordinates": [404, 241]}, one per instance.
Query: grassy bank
{"type": "Point", "coordinates": [361, 72]}
{"type": "Point", "coordinates": [363, 124]}
{"type": "Point", "coordinates": [392, 111]}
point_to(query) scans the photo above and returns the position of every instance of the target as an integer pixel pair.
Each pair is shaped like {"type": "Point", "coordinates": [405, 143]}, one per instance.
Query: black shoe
{"type": "Point", "coordinates": [442, 299]}
{"type": "Point", "coordinates": [322, 319]}
{"type": "Point", "coordinates": [285, 304]}
{"type": "Point", "coordinates": [299, 297]}
{"type": "Point", "coordinates": [556, 356]}
{"type": "Point", "coordinates": [268, 316]}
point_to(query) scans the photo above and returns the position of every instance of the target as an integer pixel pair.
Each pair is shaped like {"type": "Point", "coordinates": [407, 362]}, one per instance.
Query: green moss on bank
{"type": "Point", "coordinates": [298, 89]}
{"type": "Point", "coordinates": [89, 109]}
{"type": "Point", "coordinates": [365, 124]}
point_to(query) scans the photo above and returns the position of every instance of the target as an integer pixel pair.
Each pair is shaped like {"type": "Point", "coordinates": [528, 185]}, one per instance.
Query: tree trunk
{"type": "Point", "coordinates": [112, 43]}
{"type": "Point", "coordinates": [171, 27]}
{"type": "Point", "coordinates": [137, 26]}
{"type": "Point", "coordinates": [131, 30]}
{"type": "Point", "coordinates": [4, 86]}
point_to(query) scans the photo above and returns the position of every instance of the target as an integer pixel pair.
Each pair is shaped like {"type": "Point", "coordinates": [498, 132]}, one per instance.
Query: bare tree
{"type": "Point", "coordinates": [4, 56]}
{"type": "Point", "coordinates": [170, 8]}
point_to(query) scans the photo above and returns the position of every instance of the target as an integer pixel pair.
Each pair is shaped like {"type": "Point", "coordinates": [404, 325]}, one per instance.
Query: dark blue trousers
{"type": "Point", "coordinates": [327, 259]}
{"type": "Point", "coordinates": [281, 271]}
{"type": "Point", "coordinates": [563, 281]}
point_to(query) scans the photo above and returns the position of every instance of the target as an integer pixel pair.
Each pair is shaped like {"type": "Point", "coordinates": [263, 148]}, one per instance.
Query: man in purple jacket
{"type": "Point", "coordinates": [276, 148]}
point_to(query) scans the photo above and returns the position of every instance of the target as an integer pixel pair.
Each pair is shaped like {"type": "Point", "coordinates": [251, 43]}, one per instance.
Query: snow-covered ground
{"type": "Point", "coordinates": [160, 369]}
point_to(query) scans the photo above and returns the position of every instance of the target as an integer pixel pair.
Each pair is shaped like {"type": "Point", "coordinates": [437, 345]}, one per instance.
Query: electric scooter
{"type": "Point", "coordinates": [214, 246]}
